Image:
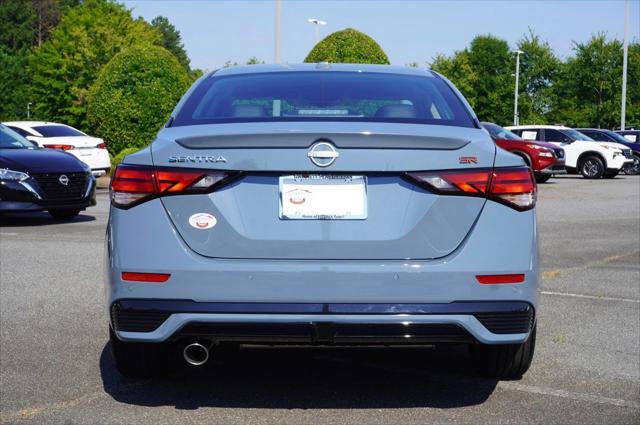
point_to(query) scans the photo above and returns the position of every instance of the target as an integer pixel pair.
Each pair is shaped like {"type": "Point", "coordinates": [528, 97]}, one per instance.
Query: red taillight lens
{"type": "Point", "coordinates": [58, 146]}
{"type": "Point", "coordinates": [101, 146]}
{"type": "Point", "coordinates": [133, 184]}
{"type": "Point", "coordinates": [493, 279]}
{"type": "Point", "coordinates": [145, 277]}
{"type": "Point", "coordinates": [515, 187]}
{"type": "Point", "coordinates": [511, 186]}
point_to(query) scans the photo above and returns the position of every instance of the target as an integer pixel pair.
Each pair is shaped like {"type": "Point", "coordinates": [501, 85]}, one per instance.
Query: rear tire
{"type": "Point", "coordinates": [506, 361]}
{"type": "Point", "coordinates": [542, 178]}
{"type": "Point", "coordinates": [592, 167]}
{"type": "Point", "coordinates": [137, 359]}
{"type": "Point", "coordinates": [64, 214]}
{"type": "Point", "coordinates": [611, 174]}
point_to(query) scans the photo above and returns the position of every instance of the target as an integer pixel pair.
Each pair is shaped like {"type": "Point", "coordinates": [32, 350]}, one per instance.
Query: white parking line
{"type": "Point", "coordinates": [590, 297]}
{"type": "Point", "coordinates": [591, 398]}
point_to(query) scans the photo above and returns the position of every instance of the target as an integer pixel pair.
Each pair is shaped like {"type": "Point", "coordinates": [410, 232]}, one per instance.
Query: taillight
{"type": "Point", "coordinates": [514, 186]}
{"type": "Point", "coordinates": [101, 145]}
{"type": "Point", "coordinates": [133, 184]}
{"type": "Point", "coordinates": [59, 146]}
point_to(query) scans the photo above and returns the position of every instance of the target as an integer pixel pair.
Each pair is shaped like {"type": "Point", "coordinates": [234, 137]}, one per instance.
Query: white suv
{"type": "Point", "coordinates": [90, 150]}
{"type": "Point", "coordinates": [582, 154]}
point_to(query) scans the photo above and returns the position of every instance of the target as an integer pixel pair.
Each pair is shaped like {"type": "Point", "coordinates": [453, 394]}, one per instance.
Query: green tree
{"type": "Point", "coordinates": [47, 14]}
{"type": "Point", "coordinates": [589, 90]}
{"type": "Point", "coordinates": [17, 19]}
{"type": "Point", "coordinates": [482, 73]}
{"type": "Point", "coordinates": [14, 84]}
{"type": "Point", "coordinates": [66, 65]}
{"type": "Point", "coordinates": [633, 87]}
{"type": "Point", "coordinates": [134, 96]}
{"type": "Point", "coordinates": [347, 46]}
{"type": "Point", "coordinates": [539, 70]}
{"type": "Point", "coordinates": [171, 39]}
{"type": "Point", "coordinates": [457, 68]}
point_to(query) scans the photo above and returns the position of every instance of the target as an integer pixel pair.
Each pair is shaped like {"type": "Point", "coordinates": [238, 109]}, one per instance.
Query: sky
{"type": "Point", "coordinates": [216, 31]}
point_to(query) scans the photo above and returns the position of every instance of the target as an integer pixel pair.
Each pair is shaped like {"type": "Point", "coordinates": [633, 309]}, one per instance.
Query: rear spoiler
{"type": "Point", "coordinates": [305, 140]}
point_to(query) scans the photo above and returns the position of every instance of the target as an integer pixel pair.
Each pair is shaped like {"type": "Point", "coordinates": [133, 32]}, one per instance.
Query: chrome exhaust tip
{"type": "Point", "coordinates": [195, 354]}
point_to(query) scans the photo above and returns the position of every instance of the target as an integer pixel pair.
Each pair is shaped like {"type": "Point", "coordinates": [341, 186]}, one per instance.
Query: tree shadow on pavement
{"type": "Point", "coordinates": [310, 378]}
{"type": "Point", "coordinates": [38, 219]}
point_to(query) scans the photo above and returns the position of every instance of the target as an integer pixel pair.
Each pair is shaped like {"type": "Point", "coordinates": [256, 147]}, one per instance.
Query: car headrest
{"type": "Point", "coordinates": [248, 111]}
{"type": "Point", "coordinates": [396, 111]}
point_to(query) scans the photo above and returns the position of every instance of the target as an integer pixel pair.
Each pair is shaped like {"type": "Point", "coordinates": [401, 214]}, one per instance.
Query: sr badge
{"type": "Point", "coordinates": [202, 221]}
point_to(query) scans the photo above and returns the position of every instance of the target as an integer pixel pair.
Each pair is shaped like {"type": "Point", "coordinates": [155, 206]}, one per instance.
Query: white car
{"type": "Point", "coordinates": [582, 154]}
{"type": "Point", "coordinates": [90, 150]}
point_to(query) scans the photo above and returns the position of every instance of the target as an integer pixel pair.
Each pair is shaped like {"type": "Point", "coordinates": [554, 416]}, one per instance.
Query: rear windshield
{"type": "Point", "coordinates": [323, 96]}
{"type": "Point", "coordinates": [57, 131]}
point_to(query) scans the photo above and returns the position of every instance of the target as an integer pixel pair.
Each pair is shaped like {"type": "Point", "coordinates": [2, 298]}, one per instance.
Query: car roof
{"type": "Point", "coordinates": [30, 124]}
{"type": "Point", "coordinates": [522, 127]}
{"type": "Point", "coordinates": [322, 66]}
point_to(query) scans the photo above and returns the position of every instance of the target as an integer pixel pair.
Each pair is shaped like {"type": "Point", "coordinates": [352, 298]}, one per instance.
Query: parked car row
{"type": "Point", "coordinates": [545, 159]}
{"type": "Point", "coordinates": [90, 150]}
{"type": "Point", "coordinates": [550, 149]}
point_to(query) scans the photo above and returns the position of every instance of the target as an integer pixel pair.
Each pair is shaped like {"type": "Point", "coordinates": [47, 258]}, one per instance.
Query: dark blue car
{"type": "Point", "coordinates": [603, 135]}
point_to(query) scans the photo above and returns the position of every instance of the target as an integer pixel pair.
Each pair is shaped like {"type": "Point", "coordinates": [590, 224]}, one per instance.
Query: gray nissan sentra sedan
{"type": "Point", "coordinates": [322, 204]}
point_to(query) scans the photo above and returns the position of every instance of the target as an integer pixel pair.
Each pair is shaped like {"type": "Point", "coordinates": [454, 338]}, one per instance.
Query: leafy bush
{"type": "Point", "coordinates": [120, 156]}
{"type": "Point", "coordinates": [67, 64]}
{"type": "Point", "coordinates": [134, 96]}
{"type": "Point", "coordinates": [348, 46]}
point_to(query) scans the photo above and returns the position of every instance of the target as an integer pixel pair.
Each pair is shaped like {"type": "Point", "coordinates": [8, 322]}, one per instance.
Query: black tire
{"type": "Point", "coordinates": [64, 214]}
{"type": "Point", "coordinates": [592, 167]}
{"type": "Point", "coordinates": [504, 361]}
{"type": "Point", "coordinates": [137, 359]}
{"type": "Point", "coordinates": [611, 174]}
{"type": "Point", "coordinates": [542, 178]}
{"type": "Point", "coordinates": [633, 169]}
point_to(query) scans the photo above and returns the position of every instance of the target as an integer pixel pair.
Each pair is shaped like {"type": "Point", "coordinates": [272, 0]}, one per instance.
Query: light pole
{"type": "Point", "coordinates": [29, 110]}
{"type": "Point", "coordinates": [317, 23]}
{"type": "Point", "coordinates": [515, 102]}
{"type": "Point", "coordinates": [277, 32]}
{"type": "Point", "coordinates": [625, 53]}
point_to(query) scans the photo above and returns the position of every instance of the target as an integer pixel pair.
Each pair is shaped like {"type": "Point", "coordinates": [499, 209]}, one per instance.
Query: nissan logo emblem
{"type": "Point", "coordinates": [323, 154]}
{"type": "Point", "coordinates": [63, 179]}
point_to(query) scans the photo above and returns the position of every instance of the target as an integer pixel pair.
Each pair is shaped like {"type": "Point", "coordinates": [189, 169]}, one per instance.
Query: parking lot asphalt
{"type": "Point", "coordinates": [55, 365]}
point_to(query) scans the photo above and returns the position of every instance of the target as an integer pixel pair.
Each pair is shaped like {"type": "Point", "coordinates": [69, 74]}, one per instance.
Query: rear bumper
{"type": "Point", "coordinates": [97, 159]}
{"type": "Point", "coordinates": [323, 323]}
{"type": "Point", "coordinates": [142, 239]}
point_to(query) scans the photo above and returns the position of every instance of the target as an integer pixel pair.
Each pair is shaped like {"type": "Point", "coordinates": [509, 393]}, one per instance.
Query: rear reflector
{"type": "Point", "coordinates": [145, 277]}
{"type": "Point", "coordinates": [493, 279]}
{"type": "Point", "coordinates": [133, 184]}
{"type": "Point", "coordinates": [513, 186]}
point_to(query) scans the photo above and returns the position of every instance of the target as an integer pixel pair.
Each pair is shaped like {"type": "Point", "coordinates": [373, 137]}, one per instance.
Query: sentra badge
{"type": "Point", "coordinates": [197, 158]}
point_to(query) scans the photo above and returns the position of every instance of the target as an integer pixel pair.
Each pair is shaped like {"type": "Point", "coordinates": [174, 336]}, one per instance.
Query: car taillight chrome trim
{"type": "Point", "coordinates": [512, 186]}
{"type": "Point", "coordinates": [134, 184]}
